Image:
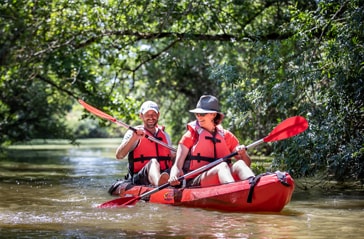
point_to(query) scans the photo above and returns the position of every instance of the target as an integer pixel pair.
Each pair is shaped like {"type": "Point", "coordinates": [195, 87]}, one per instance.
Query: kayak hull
{"type": "Point", "coordinates": [268, 192]}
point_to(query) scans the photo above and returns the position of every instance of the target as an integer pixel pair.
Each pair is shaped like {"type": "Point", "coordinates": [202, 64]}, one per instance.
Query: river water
{"type": "Point", "coordinates": [51, 191]}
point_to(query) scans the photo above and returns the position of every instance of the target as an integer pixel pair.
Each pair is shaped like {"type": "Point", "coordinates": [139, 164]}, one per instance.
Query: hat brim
{"type": "Point", "coordinates": [200, 110]}
{"type": "Point", "coordinates": [146, 110]}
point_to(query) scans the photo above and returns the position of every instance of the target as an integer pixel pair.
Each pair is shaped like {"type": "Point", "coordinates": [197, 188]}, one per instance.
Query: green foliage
{"type": "Point", "coordinates": [321, 79]}
{"type": "Point", "coordinates": [334, 101]}
{"type": "Point", "coordinates": [264, 60]}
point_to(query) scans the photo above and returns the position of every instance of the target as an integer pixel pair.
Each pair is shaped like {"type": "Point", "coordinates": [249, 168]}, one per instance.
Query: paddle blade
{"type": "Point", "coordinates": [287, 128]}
{"type": "Point", "coordinates": [96, 111]}
{"type": "Point", "coordinates": [120, 202]}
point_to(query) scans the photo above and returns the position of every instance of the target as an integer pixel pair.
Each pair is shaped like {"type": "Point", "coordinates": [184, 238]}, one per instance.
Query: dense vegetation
{"type": "Point", "coordinates": [265, 61]}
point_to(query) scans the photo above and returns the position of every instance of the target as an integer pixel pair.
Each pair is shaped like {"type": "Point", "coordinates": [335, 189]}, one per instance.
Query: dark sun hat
{"type": "Point", "coordinates": [207, 104]}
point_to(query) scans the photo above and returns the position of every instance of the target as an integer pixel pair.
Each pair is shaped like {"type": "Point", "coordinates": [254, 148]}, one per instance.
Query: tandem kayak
{"type": "Point", "coordinates": [268, 192]}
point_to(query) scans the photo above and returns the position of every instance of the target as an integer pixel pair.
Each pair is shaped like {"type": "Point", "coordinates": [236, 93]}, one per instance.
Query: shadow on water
{"type": "Point", "coordinates": [53, 192]}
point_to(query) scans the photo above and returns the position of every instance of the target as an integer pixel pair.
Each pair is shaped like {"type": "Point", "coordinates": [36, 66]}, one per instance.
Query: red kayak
{"type": "Point", "coordinates": [268, 192]}
{"type": "Point", "coordinates": [263, 193]}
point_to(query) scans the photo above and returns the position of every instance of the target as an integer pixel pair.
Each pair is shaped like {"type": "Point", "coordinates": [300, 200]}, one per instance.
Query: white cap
{"type": "Point", "coordinates": [149, 105]}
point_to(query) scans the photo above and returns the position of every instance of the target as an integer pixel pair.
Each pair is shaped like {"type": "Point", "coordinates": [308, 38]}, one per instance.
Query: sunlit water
{"type": "Point", "coordinates": [53, 193]}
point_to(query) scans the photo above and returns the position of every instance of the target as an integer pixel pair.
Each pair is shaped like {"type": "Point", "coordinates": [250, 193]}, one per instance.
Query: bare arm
{"type": "Point", "coordinates": [129, 142]}
{"type": "Point", "coordinates": [243, 155]}
{"type": "Point", "coordinates": [240, 149]}
{"type": "Point", "coordinates": [176, 169]}
{"type": "Point", "coordinates": [169, 142]}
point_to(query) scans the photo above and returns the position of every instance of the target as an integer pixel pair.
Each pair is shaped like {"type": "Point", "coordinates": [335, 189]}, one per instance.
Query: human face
{"type": "Point", "coordinates": [205, 120]}
{"type": "Point", "coordinates": [150, 119]}
{"type": "Point", "coordinates": [200, 114]}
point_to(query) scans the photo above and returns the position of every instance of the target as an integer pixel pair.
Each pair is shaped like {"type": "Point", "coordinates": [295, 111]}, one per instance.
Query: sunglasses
{"type": "Point", "coordinates": [200, 114]}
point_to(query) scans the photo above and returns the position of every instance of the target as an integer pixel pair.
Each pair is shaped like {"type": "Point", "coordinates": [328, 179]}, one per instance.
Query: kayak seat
{"type": "Point", "coordinates": [253, 181]}
{"type": "Point", "coordinates": [122, 184]}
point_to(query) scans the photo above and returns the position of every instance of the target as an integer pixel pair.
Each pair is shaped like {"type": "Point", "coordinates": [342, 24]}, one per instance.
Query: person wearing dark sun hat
{"type": "Point", "coordinates": [206, 141]}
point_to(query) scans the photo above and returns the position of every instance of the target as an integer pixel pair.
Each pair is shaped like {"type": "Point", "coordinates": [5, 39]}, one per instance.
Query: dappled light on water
{"type": "Point", "coordinates": [55, 193]}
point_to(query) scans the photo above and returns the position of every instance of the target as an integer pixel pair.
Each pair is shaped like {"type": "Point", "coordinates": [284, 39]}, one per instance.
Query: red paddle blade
{"type": "Point", "coordinates": [287, 128]}
{"type": "Point", "coordinates": [96, 111]}
{"type": "Point", "coordinates": [120, 202]}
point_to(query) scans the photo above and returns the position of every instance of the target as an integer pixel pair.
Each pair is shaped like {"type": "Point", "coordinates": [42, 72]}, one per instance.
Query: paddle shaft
{"type": "Point", "coordinates": [132, 201]}
{"type": "Point", "coordinates": [151, 138]}
{"type": "Point", "coordinates": [286, 129]}
{"type": "Point", "coordinates": [103, 115]}
{"type": "Point", "coordinates": [197, 171]}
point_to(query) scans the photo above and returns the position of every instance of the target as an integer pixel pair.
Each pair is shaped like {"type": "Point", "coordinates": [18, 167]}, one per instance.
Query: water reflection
{"type": "Point", "coordinates": [53, 193]}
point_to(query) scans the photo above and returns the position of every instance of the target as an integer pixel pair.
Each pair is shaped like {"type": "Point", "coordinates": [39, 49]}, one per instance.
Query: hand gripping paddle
{"type": "Point", "coordinates": [114, 120]}
{"type": "Point", "coordinates": [286, 129]}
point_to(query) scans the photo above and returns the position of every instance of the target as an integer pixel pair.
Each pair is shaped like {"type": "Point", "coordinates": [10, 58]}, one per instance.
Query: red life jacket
{"type": "Point", "coordinates": [207, 148]}
{"type": "Point", "coordinates": [147, 149]}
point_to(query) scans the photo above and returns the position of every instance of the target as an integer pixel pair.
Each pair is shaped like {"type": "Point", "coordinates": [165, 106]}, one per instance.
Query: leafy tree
{"type": "Point", "coordinates": [265, 60]}
{"type": "Point", "coordinates": [317, 73]}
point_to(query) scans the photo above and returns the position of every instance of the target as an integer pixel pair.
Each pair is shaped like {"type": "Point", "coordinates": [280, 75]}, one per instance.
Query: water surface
{"type": "Point", "coordinates": [53, 191]}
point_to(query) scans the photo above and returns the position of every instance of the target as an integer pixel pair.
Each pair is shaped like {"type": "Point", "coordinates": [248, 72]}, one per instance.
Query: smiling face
{"type": "Point", "coordinates": [150, 120]}
{"type": "Point", "coordinates": [206, 120]}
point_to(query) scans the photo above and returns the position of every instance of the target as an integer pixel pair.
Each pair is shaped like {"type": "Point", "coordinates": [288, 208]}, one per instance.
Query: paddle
{"type": "Point", "coordinates": [114, 120]}
{"type": "Point", "coordinates": [286, 129]}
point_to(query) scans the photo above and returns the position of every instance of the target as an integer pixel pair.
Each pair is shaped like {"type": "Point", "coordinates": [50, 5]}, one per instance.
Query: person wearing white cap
{"type": "Point", "coordinates": [206, 141]}
{"type": "Point", "coordinates": [148, 161]}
